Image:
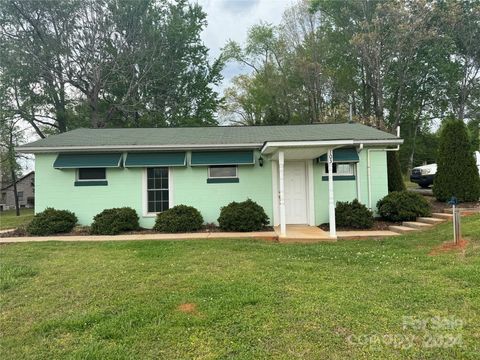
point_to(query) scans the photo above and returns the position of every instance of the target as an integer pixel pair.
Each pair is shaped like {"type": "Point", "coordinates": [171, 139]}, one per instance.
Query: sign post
{"type": "Point", "coordinates": [457, 234]}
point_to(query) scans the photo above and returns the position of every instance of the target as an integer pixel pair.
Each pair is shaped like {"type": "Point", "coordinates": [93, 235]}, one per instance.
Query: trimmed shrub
{"type": "Point", "coordinates": [114, 221]}
{"type": "Point", "coordinates": [243, 216]}
{"type": "Point", "coordinates": [395, 179]}
{"type": "Point", "coordinates": [180, 218]}
{"type": "Point", "coordinates": [51, 221]}
{"type": "Point", "coordinates": [403, 206]}
{"type": "Point", "coordinates": [353, 215]}
{"type": "Point", "coordinates": [457, 173]}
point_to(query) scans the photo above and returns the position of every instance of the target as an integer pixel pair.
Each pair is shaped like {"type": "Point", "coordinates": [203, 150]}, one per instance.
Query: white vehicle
{"type": "Point", "coordinates": [424, 175]}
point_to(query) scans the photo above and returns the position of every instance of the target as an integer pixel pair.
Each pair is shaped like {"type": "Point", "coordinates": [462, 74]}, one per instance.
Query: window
{"type": "Point", "coordinates": [157, 189]}
{"type": "Point", "coordinates": [4, 196]}
{"type": "Point", "coordinates": [222, 172]}
{"type": "Point", "coordinates": [88, 174]}
{"type": "Point", "coordinates": [20, 195]}
{"type": "Point", "coordinates": [346, 169]}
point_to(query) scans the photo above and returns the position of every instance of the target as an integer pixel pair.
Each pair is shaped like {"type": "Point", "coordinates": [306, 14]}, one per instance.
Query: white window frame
{"type": "Point", "coordinates": [351, 164]}
{"type": "Point", "coordinates": [223, 177]}
{"type": "Point", "coordinates": [77, 175]}
{"type": "Point", "coordinates": [171, 202]}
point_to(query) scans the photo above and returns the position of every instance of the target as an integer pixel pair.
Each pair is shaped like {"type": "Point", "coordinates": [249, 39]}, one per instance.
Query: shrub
{"type": "Point", "coordinates": [51, 221]}
{"type": "Point", "coordinates": [353, 214]}
{"type": "Point", "coordinates": [457, 173]}
{"type": "Point", "coordinates": [395, 179]}
{"type": "Point", "coordinates": [243, 216]}
{"type": "Point", "coordinates": [403, 206]}
{"type": "Point", "coordinates": [114, 221]}
{"type": "Point", "coordinates": [180, 218]}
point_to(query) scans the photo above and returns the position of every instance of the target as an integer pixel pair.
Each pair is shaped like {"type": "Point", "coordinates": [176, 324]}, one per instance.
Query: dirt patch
{"type": "Point", "coordinates": [438, 206]}
{"type": "Point", "coordinates": [187, 308]}
{"type": "Point", "coordinates": [449, 246]}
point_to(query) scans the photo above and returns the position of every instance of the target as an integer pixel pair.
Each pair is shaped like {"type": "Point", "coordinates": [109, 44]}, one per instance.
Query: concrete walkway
{"type": "Point", "coordinates": [264, 235]}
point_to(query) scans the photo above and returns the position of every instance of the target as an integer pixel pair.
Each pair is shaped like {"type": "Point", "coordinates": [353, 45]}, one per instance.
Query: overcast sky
{"type": "Point", "coordinates": [231, 19]}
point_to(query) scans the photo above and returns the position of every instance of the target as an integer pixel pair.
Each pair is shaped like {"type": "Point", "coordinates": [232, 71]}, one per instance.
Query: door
{"type": "Point", "coordinates": [295, 193]}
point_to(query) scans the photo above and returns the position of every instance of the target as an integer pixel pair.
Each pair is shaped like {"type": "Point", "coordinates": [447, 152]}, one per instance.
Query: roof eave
{"type": "Point", "coordinates": [110, 148]}
{"type": "Point", "coordinates": [333, 143]}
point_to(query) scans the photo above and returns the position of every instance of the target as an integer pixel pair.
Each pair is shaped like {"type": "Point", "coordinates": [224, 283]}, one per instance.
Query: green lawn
{"type": "Point", "coordinates": [9, 220]}
{"type": "Point", "coordinates": [250, 299]}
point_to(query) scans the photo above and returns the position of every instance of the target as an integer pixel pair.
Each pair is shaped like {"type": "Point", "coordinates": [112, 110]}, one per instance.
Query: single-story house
{"type": "Point", "coordinates": [296, 172]}
{"type": "Point", "coordinates": [25, 193]}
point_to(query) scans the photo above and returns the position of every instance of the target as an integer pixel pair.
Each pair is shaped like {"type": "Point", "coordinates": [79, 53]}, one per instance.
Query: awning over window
{"type": "Point", "coordinates": [244, 157]}
{"type": "Point", "coordinates": [155, 159]}
{"type": "Point", "coordinates": [97, 160]}
{"type": "Point", "coordinates": [342, 155]}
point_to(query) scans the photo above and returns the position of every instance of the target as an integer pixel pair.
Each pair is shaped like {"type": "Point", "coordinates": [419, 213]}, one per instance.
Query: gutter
{"type": "Point", "coordinates": [120, 148]}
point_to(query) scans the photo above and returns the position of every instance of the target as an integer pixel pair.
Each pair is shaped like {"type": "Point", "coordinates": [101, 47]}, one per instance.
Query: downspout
{"type": "Point", "coordinates": [357, 170]}
{"type": "Point", "coordinates": [369, 168]}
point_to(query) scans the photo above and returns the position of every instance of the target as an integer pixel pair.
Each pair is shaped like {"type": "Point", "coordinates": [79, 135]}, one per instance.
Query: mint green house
{"type": "Point", "coordinates": [296, 172]}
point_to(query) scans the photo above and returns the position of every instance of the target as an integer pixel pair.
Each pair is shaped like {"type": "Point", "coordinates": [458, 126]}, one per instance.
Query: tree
{"type": "Point", "coordinates": [457, 173]}
{"type": "Point", "coordinates": [103, 63]}
{"type": "Point", "coordinates": [395, 179]}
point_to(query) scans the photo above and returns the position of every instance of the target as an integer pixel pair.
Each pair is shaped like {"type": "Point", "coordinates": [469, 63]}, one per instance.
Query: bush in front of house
{"type": "Point", "coordinates": [115, 221]}
{"type": "Point", "coordinates": [180, 218]}
{"type": "Point", "coordinates": [403, 206]}
{"type": "Point", "coordinates": [243, 216]}
{"type": "Point", "coordinates": [52, 221]}
{"type": "Point", "coordinates": [353, 215]}
{"type": "Point", "coordinates": [457, 173]}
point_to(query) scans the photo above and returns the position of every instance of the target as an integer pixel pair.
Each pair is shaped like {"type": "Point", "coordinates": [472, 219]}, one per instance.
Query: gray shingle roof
{"type": "Point", "coordinates": [216, 136]}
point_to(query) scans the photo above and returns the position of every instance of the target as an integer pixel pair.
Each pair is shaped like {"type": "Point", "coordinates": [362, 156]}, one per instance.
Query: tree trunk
{"type": "Point", "coordinates": [15, 194]}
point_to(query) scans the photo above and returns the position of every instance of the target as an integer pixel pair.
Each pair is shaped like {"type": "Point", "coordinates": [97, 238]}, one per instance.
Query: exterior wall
{"type": "Point", "coordinates": [25, 185]}
{"type": "Point", "coordinates": [55, 188]}
{"type": "Point", "coordinates": [191, 188]}
{"type": "Point", "coordinates": [346, 190]}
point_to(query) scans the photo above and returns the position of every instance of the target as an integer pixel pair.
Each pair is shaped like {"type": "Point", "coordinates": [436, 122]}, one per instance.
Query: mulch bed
{"type": "Point", "coordinates": [438, 206]}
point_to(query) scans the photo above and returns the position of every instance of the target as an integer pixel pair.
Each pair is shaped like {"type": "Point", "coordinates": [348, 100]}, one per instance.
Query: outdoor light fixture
{"type": "Point", "coordinates": [260, 161]}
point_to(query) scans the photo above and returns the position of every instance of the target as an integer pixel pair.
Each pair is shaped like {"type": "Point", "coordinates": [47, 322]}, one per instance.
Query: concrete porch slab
{"type": "Point", "coordinates": [303, 233]}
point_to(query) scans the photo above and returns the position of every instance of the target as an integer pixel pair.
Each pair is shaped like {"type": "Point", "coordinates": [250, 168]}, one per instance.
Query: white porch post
{"type": "Point", "coordinates": [281, 163]}
{"type": "Point", "coordinates": [331, 201]}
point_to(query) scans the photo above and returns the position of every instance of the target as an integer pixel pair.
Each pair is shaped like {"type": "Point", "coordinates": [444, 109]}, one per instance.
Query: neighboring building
{"type": "Point", "coordinates": [25, 191]}
{"type": "Point", "coordinates": [282, 168]}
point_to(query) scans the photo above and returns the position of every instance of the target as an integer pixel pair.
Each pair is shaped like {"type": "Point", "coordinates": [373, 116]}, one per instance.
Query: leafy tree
{"type": "Point", "coordinates": [457, 173]}
{"type": "Point", "coordinates": [395, 179]}
{"type": "Point", "coordinates": [107, 63]}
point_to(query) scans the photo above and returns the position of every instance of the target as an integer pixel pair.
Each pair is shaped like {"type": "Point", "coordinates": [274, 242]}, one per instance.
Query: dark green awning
{"type": "Point", "coordinates": [342, 155]}
{"type": "Point", "coordinates": [153, 159]}
{"type": "Point", "coordinates": [244, 157]}
{"type": "Point", "coordinates": [97, 160]}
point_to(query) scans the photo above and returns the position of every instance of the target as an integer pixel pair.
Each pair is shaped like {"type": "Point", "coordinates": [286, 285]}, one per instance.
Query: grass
{"type": "Point", "coordinates": [242, 299]}
{"type": "Point", "coordinates": [8, 219]}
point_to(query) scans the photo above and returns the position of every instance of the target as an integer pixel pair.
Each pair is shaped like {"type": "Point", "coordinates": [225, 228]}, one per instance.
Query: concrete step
{"type": "Point", "coordinates": [430, 220]}
{"type": "Point", "coordinates": [416, 225]}
{"type": "Point", "coordinates": [401, 229]}
{"type": "Point", "coordinates": [442, 216]}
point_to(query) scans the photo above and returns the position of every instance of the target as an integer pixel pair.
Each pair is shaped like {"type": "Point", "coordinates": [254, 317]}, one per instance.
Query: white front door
{"type": "Point", "coordinates": [295, 193]}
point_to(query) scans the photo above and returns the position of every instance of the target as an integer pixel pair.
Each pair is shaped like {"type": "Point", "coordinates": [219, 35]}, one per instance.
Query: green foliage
{"type": "Point", "coordinates": [395, 179]}
{"type": "Point", "coordinates": [243, 216]}
{"type": "Point", "coordinates": [403, 206]}
{"type": "Point", "coordinates": [353, 215]}
{"type": "Point", "coordinates": [114, 221]}
{"type": "Point", "coordinates": [133, 64]}
{"type": "Point", "coordinates": [51, 221]}
{"type": "Point", "coordinates": [457, 173]}
{"type": "Point", "coordinates": [180, 218]}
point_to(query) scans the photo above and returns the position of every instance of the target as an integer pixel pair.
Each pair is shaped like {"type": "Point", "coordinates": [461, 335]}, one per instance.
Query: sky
{"type": "Point", "coordinates": [231, 19]}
